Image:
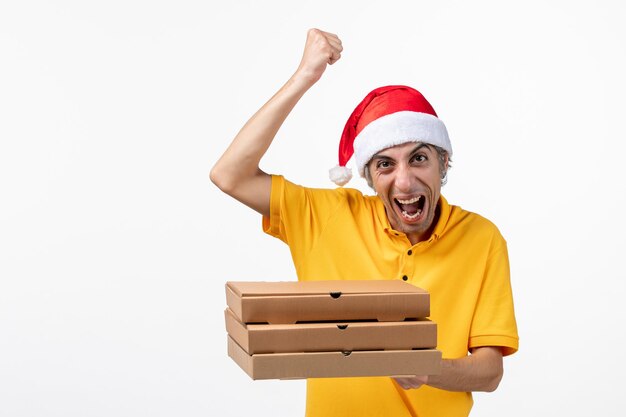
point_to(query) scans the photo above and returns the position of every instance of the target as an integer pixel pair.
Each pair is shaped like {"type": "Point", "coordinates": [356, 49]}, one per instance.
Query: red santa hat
{"type": "Point", "coordinates": [387, 116]}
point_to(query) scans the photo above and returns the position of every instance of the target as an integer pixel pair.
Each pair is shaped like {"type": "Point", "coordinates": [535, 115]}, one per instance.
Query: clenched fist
{"type": "Point", "coordinates": [321, 49]}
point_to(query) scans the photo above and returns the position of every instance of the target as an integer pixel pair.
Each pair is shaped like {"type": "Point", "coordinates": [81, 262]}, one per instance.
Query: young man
{"type": "Point", "coordinates": [407, 231]}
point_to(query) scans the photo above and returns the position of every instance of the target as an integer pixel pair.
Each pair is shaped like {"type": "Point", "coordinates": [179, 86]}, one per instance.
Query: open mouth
{"type": "Point", "coordinates": [411, 209]}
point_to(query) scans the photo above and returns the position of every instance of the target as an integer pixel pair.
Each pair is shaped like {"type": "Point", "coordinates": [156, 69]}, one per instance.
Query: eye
{"type": "Point", "coordinates": [383, 164]}
{"type": "Point", "coordinates": [419, 158]}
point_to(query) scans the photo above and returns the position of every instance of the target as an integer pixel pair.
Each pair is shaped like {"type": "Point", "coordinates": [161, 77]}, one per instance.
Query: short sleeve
{"type": "Point", "coordinates": [272, 225]}
{"type": "Point", "coordinates": [494, 322]}
{"type": "Point", "coordinates": [299, 214]}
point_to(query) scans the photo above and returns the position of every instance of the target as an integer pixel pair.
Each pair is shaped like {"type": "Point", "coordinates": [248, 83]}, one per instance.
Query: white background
{"type": "Point", "coordinates": [114, 245]}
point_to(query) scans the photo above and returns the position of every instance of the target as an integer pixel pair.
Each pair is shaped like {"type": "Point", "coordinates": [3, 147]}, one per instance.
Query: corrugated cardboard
{"type": "Point", "coordinates": [336, 364]}
{"type": "Point", "coordinates": [331, 336]}
{"type": "Point", "coordinates": [291, 302]}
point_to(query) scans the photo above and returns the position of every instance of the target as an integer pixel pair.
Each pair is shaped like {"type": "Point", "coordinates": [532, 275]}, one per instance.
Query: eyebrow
{"type": "Point", "coordinates": [420, 146]}
{"type": "Point", "coordinates": [379, 156]}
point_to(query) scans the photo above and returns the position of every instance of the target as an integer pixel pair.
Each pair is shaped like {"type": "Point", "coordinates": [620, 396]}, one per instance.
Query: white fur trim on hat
{"type": "Point", "coordinates": [396, 129]}
{"type": "Point", "coordinates": [340, 175]}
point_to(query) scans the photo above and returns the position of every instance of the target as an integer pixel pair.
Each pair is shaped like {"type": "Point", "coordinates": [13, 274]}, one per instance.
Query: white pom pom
{"type": "Point", "coordinates": [340, 175]}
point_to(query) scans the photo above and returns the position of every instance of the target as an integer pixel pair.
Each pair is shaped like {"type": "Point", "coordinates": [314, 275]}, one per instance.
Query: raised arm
{"type": "Point", "coordinates": [237, 172]}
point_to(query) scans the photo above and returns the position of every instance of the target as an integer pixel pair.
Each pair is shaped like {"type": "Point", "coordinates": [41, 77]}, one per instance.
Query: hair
{"type": "Point", "coordinates": [442, 154]}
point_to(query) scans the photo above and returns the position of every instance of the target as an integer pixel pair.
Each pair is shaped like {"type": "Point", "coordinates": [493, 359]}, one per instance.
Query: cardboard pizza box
{"type": "Point", "coordinates": [336, 364]}
{"type": "Point", "coordinates": [331, 336]}
{"type": "Point", "coordinates": [293, 301]}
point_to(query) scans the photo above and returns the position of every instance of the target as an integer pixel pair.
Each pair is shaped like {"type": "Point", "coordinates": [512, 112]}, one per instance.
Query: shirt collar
{"type": "Point", "coordinates": [444, 216]}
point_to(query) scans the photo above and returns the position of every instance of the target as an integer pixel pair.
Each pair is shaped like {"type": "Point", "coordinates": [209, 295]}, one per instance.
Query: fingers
{"type": "Point", "coordinates": [329, 42]}
{"type": "Point", "coordinates": [330, 36]}
{"type": "Point", "coordinates": [335, 52]}
{"type": "Point", "coordinates": [320, 50]}
{"type": "Point", "coordinates": [336, 49]}
{"type": "Point", "coordinates": [405, 383]}
{"type": "Point", "coordinates": [334, 58]}
{"type": "Point", "coordinates": [411, 382]}
{"type": "Point", "coordinates": [333, 40]}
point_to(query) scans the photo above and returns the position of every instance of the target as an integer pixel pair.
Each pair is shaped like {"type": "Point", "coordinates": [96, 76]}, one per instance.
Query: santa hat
{"type": "Point", "coordinates": [387, 116]}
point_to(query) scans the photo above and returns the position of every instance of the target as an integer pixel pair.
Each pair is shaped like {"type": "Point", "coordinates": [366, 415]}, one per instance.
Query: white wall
{"type": "Point", "coordinates": [114, 246]}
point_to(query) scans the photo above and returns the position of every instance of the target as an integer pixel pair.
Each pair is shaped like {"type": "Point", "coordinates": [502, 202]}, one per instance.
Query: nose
{"type": "Point", "coordinates": [403, 178]}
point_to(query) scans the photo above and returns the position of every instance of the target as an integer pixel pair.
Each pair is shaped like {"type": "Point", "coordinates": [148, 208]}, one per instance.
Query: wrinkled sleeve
{"type": "Point", "coordinates": [299, 214]}
{"type": "Point", "coordinates": [494, 322]}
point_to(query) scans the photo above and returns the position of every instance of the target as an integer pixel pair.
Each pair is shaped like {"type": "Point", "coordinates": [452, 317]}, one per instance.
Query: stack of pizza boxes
{"type": "Point", "coordinates": [318, 329]}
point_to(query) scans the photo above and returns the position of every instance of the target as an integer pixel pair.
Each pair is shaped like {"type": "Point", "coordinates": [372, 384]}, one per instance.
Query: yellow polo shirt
{"type": "Point", "coordinates": [343, 234]}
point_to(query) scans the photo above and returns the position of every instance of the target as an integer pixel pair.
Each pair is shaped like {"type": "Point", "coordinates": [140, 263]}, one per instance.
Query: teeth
{"type": "Point", "coordinates": [411, 201]}
{"type": "Point", "coordinates": [411, 216]}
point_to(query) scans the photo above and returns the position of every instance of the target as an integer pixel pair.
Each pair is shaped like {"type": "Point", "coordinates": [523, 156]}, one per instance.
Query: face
{"type": "Point", "coordinates": [407, 178]}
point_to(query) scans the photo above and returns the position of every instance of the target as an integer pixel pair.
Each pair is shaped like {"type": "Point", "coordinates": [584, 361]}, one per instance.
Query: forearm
{"type": "Point", "coordinates": [241, 159]}
{"type": "Point", "coordinates": [481, 371]}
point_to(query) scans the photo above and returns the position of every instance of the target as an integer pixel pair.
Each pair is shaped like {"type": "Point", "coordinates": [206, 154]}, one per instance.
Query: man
{"type": "Point", "coordinates": [407, 231]}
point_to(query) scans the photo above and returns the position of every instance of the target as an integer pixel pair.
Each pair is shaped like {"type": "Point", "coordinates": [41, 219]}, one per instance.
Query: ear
{"type": "Point", "coordinates": [444, 171]}
{"type": "Point", "coordinates": [368, 175]}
